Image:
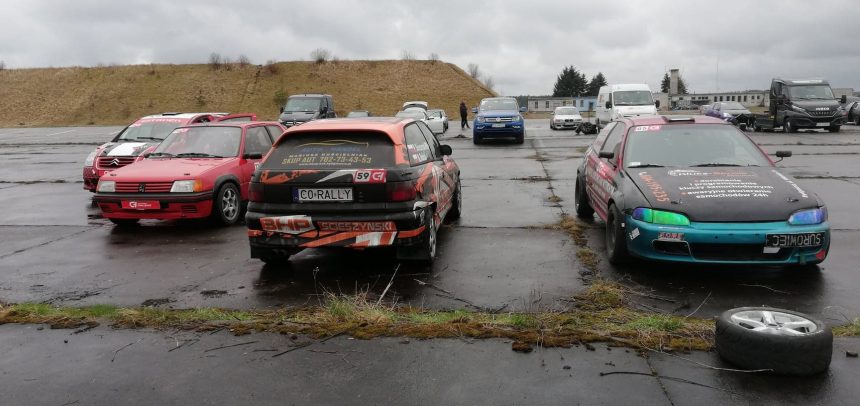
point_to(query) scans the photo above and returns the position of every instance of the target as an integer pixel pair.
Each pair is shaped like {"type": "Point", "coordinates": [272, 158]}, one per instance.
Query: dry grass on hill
{"type": "Point", "coordinates": [115, 95]}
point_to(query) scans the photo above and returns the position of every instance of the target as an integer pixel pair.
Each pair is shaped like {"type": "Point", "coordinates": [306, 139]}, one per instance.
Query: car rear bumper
{"type": "Point", "coordinates": [171, 207]}
{"type": "Point", "coordinates": [722, 243]}
{"type": "Point", "coordinates": [357, 231]}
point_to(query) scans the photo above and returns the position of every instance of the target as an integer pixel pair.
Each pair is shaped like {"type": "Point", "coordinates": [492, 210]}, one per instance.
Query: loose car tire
{"type": "Point", "coordinates": [124, 222]}
{"type": "Point", "coordinates": [616, 240]}
{"type": "Point", "coordinates": [456, 203]}
{"type": "Point", "coordinates": [786, 342]}
{"type": "Point", "coordinates": [583, 207]}
{"type": "Point", "coordinates": [227, 205]}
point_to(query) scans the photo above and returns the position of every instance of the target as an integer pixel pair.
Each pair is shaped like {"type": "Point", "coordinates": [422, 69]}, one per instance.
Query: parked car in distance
{"type": "Point", "coordinates": [198, 171]}
{"type": "Point", "coordinates": [141, 136]}
{"type": "Point", "coordinates": [413, 113]}
{"type": "Point", "coordinates": [415, 103]}
{"type": "Point", "coordinates": [697, 190]}
{"type": "Point", "coordinates": [566, 118]}
{"type": "Point", "coordinates": [703, 109]}
{"type": "Point", "coordinates": [732, 112]}
{"type": "Point", "coordinates": [439, 114]}
{"type": "Point", "coordinates": [355, 184]}
{"type": "Point", "coordinates": [301, 108]}
{"type": "Point", "coordinates": [358, 113]}
{"type": "Point", "coordinates": [625, 100]}
{"type": "Point", "coordinates": [498, 117]}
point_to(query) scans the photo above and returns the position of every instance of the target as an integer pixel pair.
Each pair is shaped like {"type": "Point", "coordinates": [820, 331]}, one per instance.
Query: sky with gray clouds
{"type": "Point", "coordinates": [718, 45]}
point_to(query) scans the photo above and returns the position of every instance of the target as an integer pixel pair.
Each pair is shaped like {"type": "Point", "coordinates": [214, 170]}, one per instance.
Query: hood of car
{"type": "Point", "coordinates": [723, 194]}
{"type": "Point", "coordinates": [126, 148]}
{"type": "Point", "coordinates": [168, 169]}
{"type": "Point", "coordinates": [816, 104]}
{"type": "Point", "coordinates": [297, 115]}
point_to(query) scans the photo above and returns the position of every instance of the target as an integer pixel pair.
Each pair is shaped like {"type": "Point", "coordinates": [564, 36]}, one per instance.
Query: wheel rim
{"type": "Point", "coordinates": [459, 201]}
{"type": "Point", "coordinates": [774, 322]}
{"type": "Point", "coordinates": [229, 204]}
{"type": "Point", "coordinates": [431, 237]}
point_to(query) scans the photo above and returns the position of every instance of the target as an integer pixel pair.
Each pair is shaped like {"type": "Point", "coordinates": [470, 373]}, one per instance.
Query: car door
{"type": "Point", "coordinates": [444, 172]}
{"type": "Point", "coordinates": [257, 144]}
{"type": "Point", "coordinates": [600, 172]}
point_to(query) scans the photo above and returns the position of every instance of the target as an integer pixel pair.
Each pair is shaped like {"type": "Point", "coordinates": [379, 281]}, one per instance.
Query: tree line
{"type": "Point", "coordinates": [573, 83]}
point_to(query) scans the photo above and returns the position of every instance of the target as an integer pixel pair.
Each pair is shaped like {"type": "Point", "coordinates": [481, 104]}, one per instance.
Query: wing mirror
{"type": "Point", "coordinates": [608, 155]}
{"type": "Point", "coordinates": [843, 99]}
{"type": "Point", "coordinates": [145, 155]}
{"type": "Point", "coordinates": [608, 105]}
{"type": "Point", "coordinates": [523, 109]}
{"type": "Point", "coordinates": [446, 149]}
{"type": "Point", "coordinates": [282, 109]}
{"type": "Point", "coordinates": [253, 155]}
{"type": "Point", "coordinates": [474, 110]}
{"type": "Point", "coordinates": [657, 103]}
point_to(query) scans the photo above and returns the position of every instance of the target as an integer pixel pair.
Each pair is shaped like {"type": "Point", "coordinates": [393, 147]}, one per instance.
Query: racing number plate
{"type": "Point", "coordinates": [795, 240]}
{"type": "Point", "coordinates": [343, 194]}
{"type": "Point", "coordinates": [141, 204]}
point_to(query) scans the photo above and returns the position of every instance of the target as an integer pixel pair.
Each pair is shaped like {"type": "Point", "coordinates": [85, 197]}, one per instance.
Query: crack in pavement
{"type": "Point", "coordinates": [49, 242]}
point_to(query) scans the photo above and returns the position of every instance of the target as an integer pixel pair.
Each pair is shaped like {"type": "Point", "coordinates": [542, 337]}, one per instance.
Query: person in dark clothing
{"type": "Point", "coordinates": [464, 112]}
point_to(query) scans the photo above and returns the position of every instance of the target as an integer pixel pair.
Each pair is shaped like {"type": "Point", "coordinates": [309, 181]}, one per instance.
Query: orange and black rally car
{"type": "Point", "coordinates": [353, 183]}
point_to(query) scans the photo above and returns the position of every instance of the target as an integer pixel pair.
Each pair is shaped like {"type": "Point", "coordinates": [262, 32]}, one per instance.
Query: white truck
{"type": "Point", "coordinates": [625, 100]}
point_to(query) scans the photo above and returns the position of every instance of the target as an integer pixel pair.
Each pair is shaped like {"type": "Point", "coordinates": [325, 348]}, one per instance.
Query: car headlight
{"type": "Point", "coordinates": [106, 186]}
{"type": "Point", "coordinates": [186, 186]}
{"type": "Point", "coordinates": [808, 217]}
{"type": "Point", "coordinates": [481, 119]}
{"type": "Point", "coordinates": [798, 108]}
{"type": "Point", "coordinates": [517, 118]}
{"type": "Point", "coordinates": [660, 217]}
{"type": "Point", "coordinates": [90, 159]}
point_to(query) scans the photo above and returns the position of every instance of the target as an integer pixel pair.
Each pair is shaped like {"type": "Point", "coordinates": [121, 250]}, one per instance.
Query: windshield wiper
{"type": "Point", "coordinates": [198, 155]}
{"type": "Point", "coordinates": [167, 154]}
{"type": "Point", "coordinates": [150, 138]}
{"type": "Point", "coordinates": [645, 166]}
{"type": "Point", "coordinates": [715, 164]}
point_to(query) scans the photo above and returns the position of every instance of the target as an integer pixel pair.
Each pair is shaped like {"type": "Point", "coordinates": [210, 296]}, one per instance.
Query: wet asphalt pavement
{"type": "Point", "coordinates": [55, 248]}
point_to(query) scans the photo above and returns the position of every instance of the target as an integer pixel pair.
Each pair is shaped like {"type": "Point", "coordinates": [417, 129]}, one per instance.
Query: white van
{"type": "Point", "coordinates": [629, 100]}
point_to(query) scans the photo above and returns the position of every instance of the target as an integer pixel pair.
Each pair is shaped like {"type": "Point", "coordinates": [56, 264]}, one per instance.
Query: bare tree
{"type": "Point", "coordinates": [320, 55]}
{"type": "Point", "coordinates": [474, 72]}
{"type": "Point", "coordinates": [489, 83]}
{"type": "Point", "coordinates": [2, 65]}
{"type": "Point", "coordinates": [244, 61]}
{"type": "Point", "coordinates": [407, 56]}
{"type": "Point", "coordinates": [434, 57]}
{"type": "Point", "coordinates": [215, 61]}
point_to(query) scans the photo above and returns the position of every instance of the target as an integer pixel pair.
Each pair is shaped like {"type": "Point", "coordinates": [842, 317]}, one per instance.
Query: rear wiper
{"type": "Point", "coordinates": [198, 154]}
{"type": "Point", "coordinates": [161, 154]}
{"type": "Point", "coordinates": [645, 166]}
{"type": "Point", "coordinates": [714, 164]}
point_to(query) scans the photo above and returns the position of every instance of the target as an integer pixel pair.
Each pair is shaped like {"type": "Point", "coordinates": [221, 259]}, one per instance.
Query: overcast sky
{"type": "Point", "coordinates": [718, 45]}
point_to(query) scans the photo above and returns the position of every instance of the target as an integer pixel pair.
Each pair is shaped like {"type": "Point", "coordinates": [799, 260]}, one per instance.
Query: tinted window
{"type": "Point", "coordinates": [500, 104]}
{"type": "Point", "coordinates": [431, 139]}
{"type": "Point", "coordinates": [613, 139]}
{"type": "Point", "coordinates": [632, 98]}
{"type": "Point", "coordinates": [214, 141]}
{"type": "Point", "coordinates": [275, 131]}
{"type": "Point", "coordinates": [601, 136]}
{"type": "Point", "coordinates": [332, 150]}
{"type": "Point", "coordinates": [691, 145]}
{"type": "Point", "coordinates": [257, 141]}
{"type": "Point", "coordinates": [417, 146]}
{"type": "Point", "coordinates": [303, 104]}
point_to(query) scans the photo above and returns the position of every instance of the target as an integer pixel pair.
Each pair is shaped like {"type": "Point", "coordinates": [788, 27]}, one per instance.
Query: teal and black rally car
{"type": "Point", "coordinates": [698, 190]}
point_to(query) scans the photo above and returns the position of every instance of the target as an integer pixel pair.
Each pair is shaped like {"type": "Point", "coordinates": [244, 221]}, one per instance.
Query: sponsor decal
{"type": "Point", "coordinates": [126, 149]}
{"type": "Point", "coordinates": [669, 236]}
{"type": "Point", "coordinates": [634, 234]}
{"type": "Point", "coordinates": [330, 153]}
{"type": "Point", "coordinates": [369, 176]}
{"type": "Point", "coordinates": [686, 172]}
{"type": "Point", "coordinates": [654, 186]}
{"type": "Point", "coordinates": [725, 188]}
{"type": "Point", "coordinates": [647, 128]}
{"type": "Point", "coordinates": [283, 177]}
{"type": "Point", "coordinates": [288, 224]}
{"type": "Point", "coordinates": [791, 182]}
{"type": "Point", "coordinates": [141, 204]}
{"type": "Point", "coordinates": [363, 226]}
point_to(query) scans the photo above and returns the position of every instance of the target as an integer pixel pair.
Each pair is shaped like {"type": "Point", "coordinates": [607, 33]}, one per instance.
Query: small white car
{"type": "Point", "coordinates": [415, 103]}
{"type": "Point", "coordinates": [437, 120]}
{"type": "Point", "coordinates": [566, 117]}
{"type": "Point", "coordinates": [417, 114]}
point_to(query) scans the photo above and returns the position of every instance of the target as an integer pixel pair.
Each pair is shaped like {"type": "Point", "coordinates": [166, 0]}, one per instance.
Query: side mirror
{"type": "Point", "coordinates": [843, 99]}
{"type": "Point", "coordinates": [282, 109]}
{"type": "Point", "coordinates": [523, 109]}
{"type": "Point", "coordinates": [474, 110]}
{"type": "Point", "coordinates": [606, 155]}
{"type": "Point", "coordinates": [145, 155]}
{"type": "Point", "coordinates": [253, 155]}
{"type": "Point", "coordinates": [446, 149]}
{"type": "Point", "coordinates": [608, 105]}
{"type": "Point", "coordinates": [783, 154]}
{"type": "Point", "coordinates": [657, 103]}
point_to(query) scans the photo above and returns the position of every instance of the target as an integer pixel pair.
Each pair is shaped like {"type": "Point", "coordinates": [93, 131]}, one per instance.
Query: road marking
{"type": "Point", "coordinates": [61, 132]}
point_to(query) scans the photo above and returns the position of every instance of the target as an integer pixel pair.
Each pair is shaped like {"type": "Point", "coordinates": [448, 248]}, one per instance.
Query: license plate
{"type": "Point", "coordinates": [498, 126]}
{"type": "Point", "coordinates": [823, 124]}
{"type": "Point", "coordinates": [322, 194]}
{"type": "Point", "coordinates": [795, 240]}
{"type": "Point", "coordinates": [141, 204]}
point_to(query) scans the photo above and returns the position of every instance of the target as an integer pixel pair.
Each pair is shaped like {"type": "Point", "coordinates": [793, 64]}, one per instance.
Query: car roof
{"type": "Point", "coordinates": [310, 95]}
{"type": "Point", "coordinates": [180, 115]}
{"type": "Point", "coordinates": [232, 124]}
{"type": "Point", "coordinates": [679, 119]}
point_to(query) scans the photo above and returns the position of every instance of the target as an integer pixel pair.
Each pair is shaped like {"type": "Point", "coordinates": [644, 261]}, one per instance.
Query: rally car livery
{"type": "Point", "coordinates": [141, 136]}
{"type": "Point", "coordinates": [695, 189]}
{"type": "Point", "coordinates": [353, 183]}
{"type": "Point", "coordinates": [198, 171]}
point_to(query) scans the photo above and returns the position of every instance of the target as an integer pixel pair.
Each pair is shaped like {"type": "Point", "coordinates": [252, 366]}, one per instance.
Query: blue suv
{"type": "Point", "coordinates": [498, 117]}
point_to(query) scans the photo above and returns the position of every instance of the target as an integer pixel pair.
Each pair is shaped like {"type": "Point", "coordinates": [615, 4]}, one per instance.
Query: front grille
{"type": "Point", "coordinates": [150, 187]}
{"type": "Point", "coordinates": [499, 119]}
{"type": "Point", "coordinates": [189, 208]}
{"type": "Point", "coordinates": [821, 113]}
{"type": "Point", "coordinates": [114, 162]}
{"type": "Point", "coordinates": [737, 252]}
{"type": "Point", "coordinates": [570, 120]}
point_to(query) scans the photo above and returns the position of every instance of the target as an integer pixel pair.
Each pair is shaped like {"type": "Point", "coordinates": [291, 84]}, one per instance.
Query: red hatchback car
{"type": "Point", "coordinates": [141, 136]}
{"type": "Point", "coordinates": [196, 172]}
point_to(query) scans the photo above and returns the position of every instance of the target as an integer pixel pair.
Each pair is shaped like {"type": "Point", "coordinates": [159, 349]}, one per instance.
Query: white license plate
{"type": "Point", "coordinates": [343, 194]}
{"type": "Point", "coordinates": [498, 126]}
{"type": "Point", "coordinates": [823, 124]}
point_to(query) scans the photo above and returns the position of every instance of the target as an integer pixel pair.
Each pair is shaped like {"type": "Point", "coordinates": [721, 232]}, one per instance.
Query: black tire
{"type": "Point", "coordinates": [788, 126]}
{"type": "Point", "coordinates": [476, 139]}
{"type": "Point", "coordinates": [857, 119]}
{"type": "Point", "coordinates": [519, 139]}
{"type": "Point", "coordinates": [583, 206]}
{"type": "Point", "coordinates": [227, 205]}
{"type": "Point", "coordinates": [551, 127]}
{"type": "Point", "coordinates": [616, 242]}
{"type": "Point", "coordinates": [834, 129]}
{"type": "Point", "coordinates": [124, 222]}
{"type": "Point", "coordinates": [784, 354]}
{"type": "Point", "coordinates": [456, 203]}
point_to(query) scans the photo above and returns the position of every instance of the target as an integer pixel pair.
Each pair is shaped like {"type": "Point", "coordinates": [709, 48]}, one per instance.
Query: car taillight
{"type": "Point", "coordinates": [400, 191]}
{"type": "Point", "coordinates": [255, 192]}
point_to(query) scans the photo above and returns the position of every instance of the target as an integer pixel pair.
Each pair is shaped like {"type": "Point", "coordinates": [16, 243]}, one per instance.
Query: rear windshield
{"type": "Point", "coordinates": [150, 129]}
{"type": "Point", "coordinates": [332, 150]}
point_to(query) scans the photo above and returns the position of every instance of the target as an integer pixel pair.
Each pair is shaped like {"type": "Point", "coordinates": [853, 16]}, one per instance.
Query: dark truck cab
{"type": "Point", "coordinates": [301, 108]}
{"type": "Point", "coordinates": [796, 104]}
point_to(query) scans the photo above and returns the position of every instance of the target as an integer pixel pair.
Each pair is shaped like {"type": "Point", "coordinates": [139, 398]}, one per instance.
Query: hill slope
{"type": "Point", "coordinates": [116, 95]}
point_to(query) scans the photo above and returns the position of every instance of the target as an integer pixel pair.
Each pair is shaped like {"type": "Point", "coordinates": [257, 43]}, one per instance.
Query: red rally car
{"type": "Point", "coordinates": [198, 171]}
{"type": "Point", "coordinates": [354, 184]}
{"type": "Point", "coordinates": [142, 136]}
